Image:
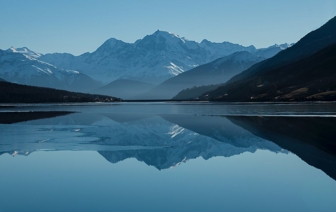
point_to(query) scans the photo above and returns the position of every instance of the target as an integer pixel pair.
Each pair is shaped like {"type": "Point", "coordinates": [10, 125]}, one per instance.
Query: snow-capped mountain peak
{"type": "Point", "coordinates": [285, 45]}
{"type": "Point", "coordinates": [166, 41]}
{"type": "Point", "coordinates": [25, 51]}
{"type": "Point", "coordinates": [168, 35]}
{"type": "Point", "coordinates": [22, 65]}
{"type": "Point", "coordinates": [112, 45]}
{"type": "Point", "coordinates": [281, 46]}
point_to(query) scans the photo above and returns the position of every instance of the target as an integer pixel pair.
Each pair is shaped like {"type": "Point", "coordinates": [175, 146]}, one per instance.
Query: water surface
{"type": "Point", "coordinates": [168, 157]}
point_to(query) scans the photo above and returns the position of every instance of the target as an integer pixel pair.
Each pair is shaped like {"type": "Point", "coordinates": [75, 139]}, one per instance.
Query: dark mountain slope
{"type": "Point", "coordinates": [15, 93]}
{"type": "Point", "coordinates": [195, 92]}
{"type": "Point", "coordinates": [308, 45]}
{"type": "Point", "coordinates": [250, 85]}
{"type": "Point", "coordinates": [311, 78]}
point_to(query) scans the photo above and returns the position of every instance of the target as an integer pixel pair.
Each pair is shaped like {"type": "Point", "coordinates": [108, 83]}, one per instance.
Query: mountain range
{"type": "Point", "coordinates": [306, 71]}
{"type": "Point", "coordinates": [152, 59]}
{"type": "Point", "coordinates": [163, 64]}
{"type": "Point", "coordinates": [23, 66]}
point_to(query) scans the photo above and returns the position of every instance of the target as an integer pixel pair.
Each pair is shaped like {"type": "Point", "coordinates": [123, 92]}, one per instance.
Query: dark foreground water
{"type": "Point", "coordinates": [168, 157]}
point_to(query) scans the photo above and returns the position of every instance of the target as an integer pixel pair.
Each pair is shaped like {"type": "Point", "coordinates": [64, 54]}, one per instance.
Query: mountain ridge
{"type": "Point", "coordinates": [298, 73]}
{"type": "Point", "coordinates": [152, 59]}
{"type": "Point", "coordinates": [21, 65]}
{"type": "Point", "coordinates": [311, 78]}
{"type": "Point", "coordinates": [309, 44]}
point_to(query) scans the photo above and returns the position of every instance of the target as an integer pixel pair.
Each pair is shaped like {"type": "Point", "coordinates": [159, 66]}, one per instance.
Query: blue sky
{"type": "Point", "coordinates": [78, 26]}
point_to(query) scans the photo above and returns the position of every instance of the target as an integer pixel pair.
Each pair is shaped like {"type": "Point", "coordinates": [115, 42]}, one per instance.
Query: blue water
{"type": "Point", "coordinates": [169, 157]}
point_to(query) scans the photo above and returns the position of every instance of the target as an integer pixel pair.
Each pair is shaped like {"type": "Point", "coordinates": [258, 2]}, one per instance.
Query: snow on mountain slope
{"type": "Point", "coordinates": [153, 59]}
{"type": "Point", "coordinates": [25, 51]}
{"type": "Point", "coordinates": [22, 66]}
{"type": "Point", "coordinates": [59, 59]}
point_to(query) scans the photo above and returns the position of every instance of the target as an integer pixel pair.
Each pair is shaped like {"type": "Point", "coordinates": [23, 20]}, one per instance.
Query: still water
{"type": "Point", "coordinates": [168, 157]}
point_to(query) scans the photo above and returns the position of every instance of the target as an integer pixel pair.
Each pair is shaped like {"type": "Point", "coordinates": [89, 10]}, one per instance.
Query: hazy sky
{"type": "Point", "coordinates": [78, 26]}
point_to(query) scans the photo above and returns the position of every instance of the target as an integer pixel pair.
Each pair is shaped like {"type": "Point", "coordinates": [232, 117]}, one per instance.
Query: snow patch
{"type": "Point", "coordinates": [174, 69]}
{"type": "Point", "coordinates": [175, 131]}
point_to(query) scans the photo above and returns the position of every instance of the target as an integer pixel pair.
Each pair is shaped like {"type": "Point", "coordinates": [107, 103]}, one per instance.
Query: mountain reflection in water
{"type": "Point", "coordinates": [167, 140]}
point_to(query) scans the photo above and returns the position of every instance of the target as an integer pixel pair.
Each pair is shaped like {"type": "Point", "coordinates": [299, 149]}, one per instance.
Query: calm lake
{"type": "Point", "coordinates": [168, 157]}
